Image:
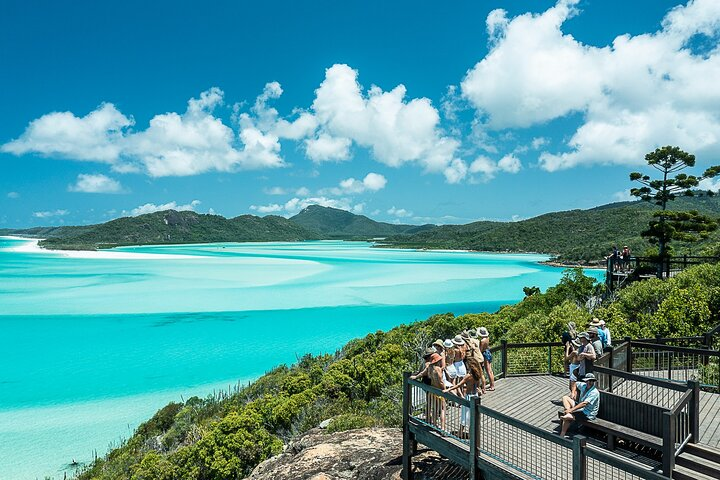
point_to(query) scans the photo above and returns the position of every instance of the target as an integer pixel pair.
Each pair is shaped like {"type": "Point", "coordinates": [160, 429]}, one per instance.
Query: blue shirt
{"type": "Point", "coordinates": [603, 337]}
{"type": "Point", "coordinates": [592, 397]}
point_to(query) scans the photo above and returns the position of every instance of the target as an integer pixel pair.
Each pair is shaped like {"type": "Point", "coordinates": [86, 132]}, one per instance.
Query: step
{"type": "Point", "coordinates": [682, 473]}
{"type": "Point", "coordinates": [704, 451]}
{"type": "Point", "coordinates": [698, 464]}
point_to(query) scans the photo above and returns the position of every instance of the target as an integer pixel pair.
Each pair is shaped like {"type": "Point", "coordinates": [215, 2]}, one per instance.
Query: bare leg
{"type": "Point", "coordinates": [568, 402]}
{"type": "Point", "coordinates": [566, 422]}
{"type": "Point", "coordinates": [488, 366]}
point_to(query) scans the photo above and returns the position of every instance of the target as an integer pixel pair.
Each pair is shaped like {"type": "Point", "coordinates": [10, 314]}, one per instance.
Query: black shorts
{"type": "Point", "coordinates": [580, 416]}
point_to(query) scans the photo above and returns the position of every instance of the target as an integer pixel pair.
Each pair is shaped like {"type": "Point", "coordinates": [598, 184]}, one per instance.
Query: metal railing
{"type": "Point", "coordinates": [677, 364]}
{"type": "Point", "coordinates": [497, 441]}
{"type": "Point", "coordinates": [537, 358]}
{"type": "Point", "coordinates": [618, 270]}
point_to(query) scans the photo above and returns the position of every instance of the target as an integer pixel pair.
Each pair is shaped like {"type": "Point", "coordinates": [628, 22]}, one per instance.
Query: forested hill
{"type": "Point", "coordinates": [173, 227]}
{"type": "Point", "coordinates": [574, 235]}
{"type": "Point", "coordinates": [336, 223]}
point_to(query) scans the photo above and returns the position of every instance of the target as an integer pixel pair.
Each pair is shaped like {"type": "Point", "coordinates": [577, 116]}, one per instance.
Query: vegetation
{"type": "Point", "coordinates": [335, 223]}
{"type": "Point", "coordinates": [666, 225]}
{"type": "Point", "coordinates": [174, 227]}
{"type": "Point", "coordinates": [224, 437]}
{"type": "Point", "coordinates": [574, 236]}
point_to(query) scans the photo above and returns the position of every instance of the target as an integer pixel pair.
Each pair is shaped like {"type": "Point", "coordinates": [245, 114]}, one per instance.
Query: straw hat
{"type": "Point", "coordinates": [435, 358]}
{"type": "Point", "coordinates": [439, 343]}
{"type": "Point", "coordinates": [595, 322]}
{"type": "Point", "coordinates": [429, 351]}
{"type": "Point", "coordinates": [458, 341]}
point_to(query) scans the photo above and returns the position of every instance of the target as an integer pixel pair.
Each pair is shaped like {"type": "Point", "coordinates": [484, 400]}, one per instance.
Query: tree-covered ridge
{"type": "Point", "coordinates": [360, 385]}
{"type": "Point", "coordinates": [336, 223]}
{"type": "Point", "coordinates": [174, 227]}
{"type": "Point", "coordinates": [574, 235]}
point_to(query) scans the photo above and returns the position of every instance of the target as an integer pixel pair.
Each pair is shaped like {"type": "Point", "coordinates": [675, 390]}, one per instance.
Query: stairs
{"type": "Point", "coordinates": [697, 462]}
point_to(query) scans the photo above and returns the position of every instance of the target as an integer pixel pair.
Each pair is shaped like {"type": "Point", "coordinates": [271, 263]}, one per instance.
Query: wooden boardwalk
{"type": "Point", "coordinates": [530, 399]}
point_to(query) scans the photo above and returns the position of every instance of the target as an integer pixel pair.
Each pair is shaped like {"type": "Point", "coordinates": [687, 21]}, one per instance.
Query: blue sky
{"type": "Point", "coordinates": [407, 112]}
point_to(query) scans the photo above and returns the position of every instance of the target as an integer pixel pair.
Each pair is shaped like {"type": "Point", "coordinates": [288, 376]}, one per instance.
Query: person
{"type": "Point", "coordinates": [470, 382]}
{"type": "Point", "coordinates": [487, 355]}
{"type": "Point", "coordinates": [595, 340]}
{"type": "Point", "coordinates": [429, 351]}
{"type": "Point", "coordinates": [586, 406]}
{"type": "Point", "coordinates": [575, 362]}
{"type": "Point", "coordinates": [450, 360]}
{"type": "Point", "coordinates": [435, 403]}
{"type": "Point", "coordinates": [603, 328]}
{"type": "Point", "coordinates": [625, 258]}
{"type": "Point", "coordinates": [567, 337]}
{"type": "Point", "coordinates": [586, 354]}
{"type": "Point", "coordinates": [615, 258]}
{"type": "Point", "coordinates": [601, 334]}
{"type": "Point", "coordinates": [439, 347]}
{"type": "Point", "coordinates": [459, 357]}
{"type": "Point", "coordinates": [474, 352]}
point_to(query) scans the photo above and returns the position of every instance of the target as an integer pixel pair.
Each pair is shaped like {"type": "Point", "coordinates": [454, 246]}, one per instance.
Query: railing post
{"type": "Point", "coordinates": [695, 411]}
{"type": "Point", "coordinates": [474, 427]}
{"type": "Point", "coordinates": [579, 459]}
{"type": "Point", "coordinates": [610, 377]}
{"type": "Point", "coordinates": [668, 450]}
{"type": "Point", "coordinates": [408, 437]}
{"type": "Point", "coordinates": [549, 359]}
{"type": "Point", "coordinates": [628, 355]}
{"type": "Point", "coordinates": [504, 358]}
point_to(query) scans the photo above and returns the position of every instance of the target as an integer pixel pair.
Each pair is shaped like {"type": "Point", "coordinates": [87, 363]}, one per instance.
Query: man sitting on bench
{"type": "Point", "coordinates": [586, 407]}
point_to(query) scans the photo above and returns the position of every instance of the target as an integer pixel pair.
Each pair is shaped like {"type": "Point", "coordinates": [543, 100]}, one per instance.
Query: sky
{"type": "Point", "coordinates": [405, 111]}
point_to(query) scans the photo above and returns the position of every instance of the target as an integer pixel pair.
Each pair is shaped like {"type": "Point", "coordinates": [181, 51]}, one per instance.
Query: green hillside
{"type": "Point", "coordinates": [574, 235]}
{"type": "Point", "coordinates": [173, 227]}
{"type": "Point", "coordinates": [336, 223]}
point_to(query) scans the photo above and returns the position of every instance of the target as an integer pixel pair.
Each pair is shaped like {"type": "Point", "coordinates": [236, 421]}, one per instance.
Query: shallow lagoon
{"type": "Point", "coordinates": [93, 346]}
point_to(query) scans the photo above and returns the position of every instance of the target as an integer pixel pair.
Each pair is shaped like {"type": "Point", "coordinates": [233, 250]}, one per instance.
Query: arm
{"type": "Point", "coordinates": [588, 353]}
{"type": "Point", "coordinates": [577, 407]}
{"type": "Point", "coordinates": [455, 387]}
{"type": "Point", "coordinates": [421, 374]}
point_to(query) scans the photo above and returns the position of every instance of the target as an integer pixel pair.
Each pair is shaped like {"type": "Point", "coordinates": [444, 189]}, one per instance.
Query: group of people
{"type": "Point", "coordinates": [461, 365]}
{"type": "Point", "coordinates": [620, 259]}
{"type": "Point", "coordinates": [580, 350]}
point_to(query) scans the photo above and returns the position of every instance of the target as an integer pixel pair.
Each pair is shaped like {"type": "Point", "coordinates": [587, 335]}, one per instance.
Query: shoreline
{"type": "Point", "coordinates": [31, 246]}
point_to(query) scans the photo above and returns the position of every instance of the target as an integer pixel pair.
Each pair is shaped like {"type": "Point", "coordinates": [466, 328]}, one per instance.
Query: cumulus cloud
{"type": "Point", "coordinates": [152, 208]}
{"type": "Point", "coordinates": [712, 184]}
{"type": "Point", "coordinates": [13, 195]}
{"type": "Point", "coordinates": [399, 212]}
{"type": "Point", "coordinates": [488, 169]}
{"type": "Point", "coordinates": [623, 196]}
{"type": "Point", "coordinates": [635, 94]}
{"type": "Point", "coordinates": [51, 213]}
{"type": "Point", "coordinates": [324, 148]}
{"type": "Point", "coordinates": [371, 183]}
{"type": "Point", "coordinates": [95, 183]}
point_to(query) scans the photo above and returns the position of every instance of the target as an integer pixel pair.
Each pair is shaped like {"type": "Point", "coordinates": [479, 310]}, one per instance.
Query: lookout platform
{"type": "Point", "coordinates": [674, 392]}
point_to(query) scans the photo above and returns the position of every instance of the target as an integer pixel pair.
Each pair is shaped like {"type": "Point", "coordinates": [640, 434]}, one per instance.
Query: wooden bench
{"type": "Point", "coordinates": [632, 420]}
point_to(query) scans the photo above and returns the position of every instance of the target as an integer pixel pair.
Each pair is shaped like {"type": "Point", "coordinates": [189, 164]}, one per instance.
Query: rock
{"type": "Point", "coordinates": [324, 424]}
{"type": "Point", "coordinates": [363, 454]}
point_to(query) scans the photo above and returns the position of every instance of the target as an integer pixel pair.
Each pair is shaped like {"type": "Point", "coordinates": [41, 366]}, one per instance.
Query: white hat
{"type": "Point", "coordinates": [483, 332]}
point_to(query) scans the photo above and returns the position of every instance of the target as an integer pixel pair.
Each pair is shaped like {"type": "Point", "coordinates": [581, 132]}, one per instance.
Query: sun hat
{"type": "Point", "coordinates": [483, 332]}
{"type": "Point", "coordinates": [592, 330]}
{"type": "Point", "coordinates": [595, 322]}
{"type": "Point", "coordinates": [448, 343]}
{"type": "Point", "coordinates": [472, 332]}
{"type": "Point", "coordinates": [438, 343]}
{"type": "Point", "coordinates": [458, 341]}
{"type": "Point", "coordinates": [465, 335]}
{"type": "Point", "coordinates": [584, 335]}
{"type": "Point", "coordinates": [575, 343]}
{"type": "Point", "coordinates": [434, 358]}
{"type": "Point", "coordinates": [589, 376]}
{"type": "Point", "coordinates": [429, 351]}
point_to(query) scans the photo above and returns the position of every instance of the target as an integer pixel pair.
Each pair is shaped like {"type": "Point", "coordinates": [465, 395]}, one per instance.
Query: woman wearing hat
{"type": "Point", "coordinates": [470, 382]}
{"type": "Point", "coordinates": [435, 403]}
{"type": "Point", "coordinates": [459, 357]}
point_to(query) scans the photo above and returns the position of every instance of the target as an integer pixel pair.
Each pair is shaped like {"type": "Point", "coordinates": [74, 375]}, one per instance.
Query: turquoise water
{"type": "Point", "coordinates": [92, 346]}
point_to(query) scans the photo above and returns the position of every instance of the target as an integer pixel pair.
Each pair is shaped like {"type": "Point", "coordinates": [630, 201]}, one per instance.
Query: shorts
{"type": "Point", "coordinates": [580, 416]}
{"type": "Point", "coordinates": [460, 368]}
{"type": "Point", "coordinates": [574, 372]}
{"type": "Point", "coordinates": [451, 371]}
{"type": "Point", "coordinates": [487, 354]}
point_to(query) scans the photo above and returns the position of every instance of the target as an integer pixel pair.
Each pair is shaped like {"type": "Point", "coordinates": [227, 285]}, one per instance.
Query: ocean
{"type": "Point", "coordinates": [92, 345]}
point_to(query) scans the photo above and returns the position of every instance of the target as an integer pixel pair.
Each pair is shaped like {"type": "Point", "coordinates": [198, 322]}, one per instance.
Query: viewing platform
{"type": "Point", "coordinates": [660, 410]}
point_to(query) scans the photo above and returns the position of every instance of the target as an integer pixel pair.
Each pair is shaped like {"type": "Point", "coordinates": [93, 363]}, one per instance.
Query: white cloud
{"type": "Point", "coordinates": [396, 130]}
{"type": "Point", "coordinates": [302, 191]}
{"type": "Point", "coordinates": [488, 168]}
{"type": "Point", "coordinates": [324, 148]}
{"type": "Point", "coordinates": [712, 184]}
{"type": "Point", "coordinates": [350, 186]}
{"type": "Point", "coordinates": [13, 195]}
{"type": "Point", "coordinates": [623, 196]}
{"type": "Point", "coordinates": [275, 191]}
{"type": "Point", "coordinates": [95, 183]}
{"type": "Point", "coordinates": [50, 213]}
{"type": "Point", "coordinates": [539, 142]}
{"type": "Point", "coordinates": [294, 205]}
{"type": "Point", "coordinates": [272, 208]}
{"type": "Point", "coordinates": [399, 212]}
{"type": "Point", "coordinates": [95, 137]}
{"type": "Point", "coordinates": [152, 208]}
{"type": "Point", "coordinates": [636, 94]}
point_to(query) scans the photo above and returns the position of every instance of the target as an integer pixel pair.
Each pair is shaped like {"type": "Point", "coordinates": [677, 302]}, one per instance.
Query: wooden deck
{"type": "Point", "coordinates": [530, 399]}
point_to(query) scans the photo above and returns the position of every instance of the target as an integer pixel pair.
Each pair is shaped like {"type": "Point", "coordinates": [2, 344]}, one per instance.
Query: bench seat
{"type": "Point", "coordinates": [614, 430]}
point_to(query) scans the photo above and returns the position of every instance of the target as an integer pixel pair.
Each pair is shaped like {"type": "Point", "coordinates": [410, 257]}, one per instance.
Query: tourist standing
{"type": "Point", "coordinates": [606, 332]}
{"type": "Point", "coordinates": [470, 382]}
{"type": "Point", "coordinates": [567, 338]}
{"type": "Point", "coordinates": [487, 355]}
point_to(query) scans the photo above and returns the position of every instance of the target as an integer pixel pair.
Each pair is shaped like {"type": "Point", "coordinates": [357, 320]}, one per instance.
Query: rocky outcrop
{"type": "Point", "coordinates": [363, 454]}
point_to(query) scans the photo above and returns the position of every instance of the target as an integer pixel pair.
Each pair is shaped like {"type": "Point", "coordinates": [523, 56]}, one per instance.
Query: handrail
{"type": "Point", "coordinates": [544, 434]}
{"type": "Point", "coordinates": [614, 460]}
{"type": "Point", "coordinates": [670, 348]}
{"type": "Point", "coordinates": [436, 391]}
{"type": "Point", "coordinates": [534, 344]}
{"type": "Point", "coordinates": [639, 378]}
